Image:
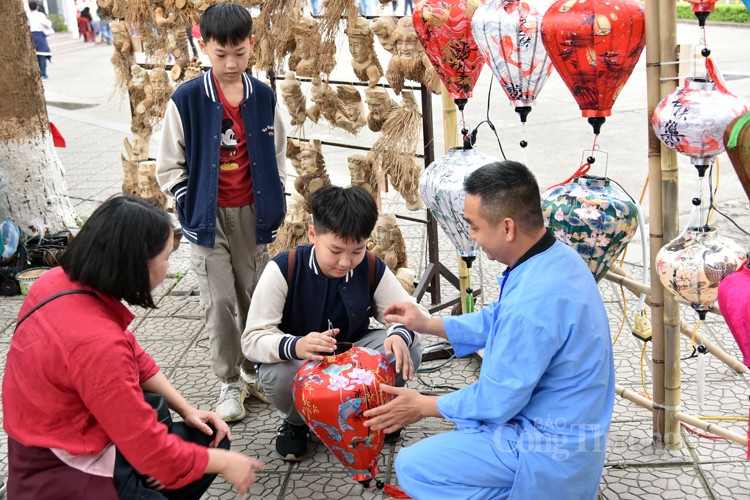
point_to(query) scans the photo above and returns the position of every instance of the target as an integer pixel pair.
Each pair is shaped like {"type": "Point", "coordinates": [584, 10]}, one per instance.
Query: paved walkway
{"type": "Point", "coordinates": [94, 124]}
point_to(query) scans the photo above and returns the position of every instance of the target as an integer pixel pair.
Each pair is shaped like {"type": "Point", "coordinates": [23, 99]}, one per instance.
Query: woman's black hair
{"type": "Point", "coordinates": [228, 24]}
{"type": "Point", "coordinates": [111, 252]}
{"type": "Point", "coordinates": [349, 213]}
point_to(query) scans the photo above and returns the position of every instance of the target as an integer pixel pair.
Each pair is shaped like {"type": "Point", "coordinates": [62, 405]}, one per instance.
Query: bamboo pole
{"type": "Point", "coordinates": [670, 203]}
{"type": "Point", "coordinates": [451, 137]}
{"type": "Point", "coordinates": [682, 417]}
{"type": "Point", "coordinates": [656, 238]}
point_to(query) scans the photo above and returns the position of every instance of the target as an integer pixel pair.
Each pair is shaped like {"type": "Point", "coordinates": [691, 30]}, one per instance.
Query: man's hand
{"type": "Point", "coordinates": [407, 407]}
{"type": "Point", "coordinates": [199, 419]}
{"type": "Point", "coordinates": [409, 315]}
{"type": "Point", "coordinates": [312, 345]}
{"type": "Point", "coordinates": [395, 345]}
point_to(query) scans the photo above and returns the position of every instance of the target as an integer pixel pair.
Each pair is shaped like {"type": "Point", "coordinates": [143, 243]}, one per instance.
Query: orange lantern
{"type": "Point", "coordinates": [594, 45]}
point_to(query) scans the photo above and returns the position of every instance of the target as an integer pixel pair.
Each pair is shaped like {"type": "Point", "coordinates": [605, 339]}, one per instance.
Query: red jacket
{"type": "Point", "coordinates": [72, 381]}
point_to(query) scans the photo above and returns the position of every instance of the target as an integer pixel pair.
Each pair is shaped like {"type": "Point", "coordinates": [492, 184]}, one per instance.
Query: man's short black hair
{"type": "Point", "coordinates": [33, 6]}
{"type": "Point", "coordinates": [349, 213]}
{"type": "Point", "coordinates": [228, 24]}
{"type": "Point", "coordinates": [111, 252]}
{"type": "Point", "coordinates": [507, 189]}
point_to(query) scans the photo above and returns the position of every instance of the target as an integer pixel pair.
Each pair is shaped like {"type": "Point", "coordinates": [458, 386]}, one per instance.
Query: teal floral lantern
{"type": "Point", "coordinates": [442, 188]}
{"type": "Point", "coordinates": [594, 216]}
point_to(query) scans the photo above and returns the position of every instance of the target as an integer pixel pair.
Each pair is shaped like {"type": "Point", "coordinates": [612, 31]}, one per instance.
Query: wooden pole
{"type": "Point", "coordinates": [682, 417]}
{"type": "Point", "coordinates": [451, 137]}
{"type": "Point", "coordinates": [670, 227]}
{"type": "Point", "coordinates": [656, 237]}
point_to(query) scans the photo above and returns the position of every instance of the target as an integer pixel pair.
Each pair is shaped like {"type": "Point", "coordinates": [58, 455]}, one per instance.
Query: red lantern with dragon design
{"type": "Point", "coordinates": [331, 395]}
{"type": "Point", "coordinates": [594, 45]}
{"type": "Point", "coordinates": [444, 29]}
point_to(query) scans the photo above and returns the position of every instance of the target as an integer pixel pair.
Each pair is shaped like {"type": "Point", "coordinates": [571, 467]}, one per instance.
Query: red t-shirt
{"type": "Point", "coordinates": [235, 182]}
{"type": "Point", "coordinates": [72, 381]}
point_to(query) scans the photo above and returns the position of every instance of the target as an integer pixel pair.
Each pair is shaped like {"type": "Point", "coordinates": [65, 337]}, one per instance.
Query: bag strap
{"type": "Point", "coordinates": [290, 267]}
{"type": "Point", "coordinates": [50, 299]}
{"type": "Point", "coordinates": [371, 258]}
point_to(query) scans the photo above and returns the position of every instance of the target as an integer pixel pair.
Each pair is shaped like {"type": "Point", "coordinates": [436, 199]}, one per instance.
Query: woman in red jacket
{"type": "Point", "coordinates": [73, 389]}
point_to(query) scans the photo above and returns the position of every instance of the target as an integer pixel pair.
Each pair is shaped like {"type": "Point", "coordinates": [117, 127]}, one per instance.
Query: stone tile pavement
{"type": "Point", "coordinates": [174, 334]}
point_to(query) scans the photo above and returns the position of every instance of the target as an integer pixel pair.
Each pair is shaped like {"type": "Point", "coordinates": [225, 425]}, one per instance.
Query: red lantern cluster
{"type": "Point", "coordinates": [594, 45]}
{"type": "Point", "coordinates": [444, 28]}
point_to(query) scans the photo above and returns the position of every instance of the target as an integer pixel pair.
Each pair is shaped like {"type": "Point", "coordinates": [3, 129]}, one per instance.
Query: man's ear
{"type": "Point", "coordinates": [509, 228]}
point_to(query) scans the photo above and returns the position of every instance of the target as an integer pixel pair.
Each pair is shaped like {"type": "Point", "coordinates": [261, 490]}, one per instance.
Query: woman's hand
{"type": "Point", "coordinates": [312, 345]}
{"type": "Point", "coordinates": [199, 419]}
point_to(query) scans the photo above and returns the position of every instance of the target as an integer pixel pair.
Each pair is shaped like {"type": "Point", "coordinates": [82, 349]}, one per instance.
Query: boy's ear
{"type": "Point", "coordinates": [311, 233]}
{"type": "Point", "coordinates": [202, 46]}
{"type": "Point", "coordinates": [252, 43]}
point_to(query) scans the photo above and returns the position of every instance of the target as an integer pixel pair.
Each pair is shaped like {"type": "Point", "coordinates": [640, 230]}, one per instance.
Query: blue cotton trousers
{"type": "Point", "coordinates": [466, 463]}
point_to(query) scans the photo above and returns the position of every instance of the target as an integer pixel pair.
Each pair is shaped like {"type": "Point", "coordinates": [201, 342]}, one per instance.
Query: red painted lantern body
{"type": "Point", "coordinates": [702, 5]}
{"type": "Point", "coordinates": [331, 395]}
{"type": "Point", "coordinates": [594, 45]}
{"type": "Point", "coordinates": [444, 29]}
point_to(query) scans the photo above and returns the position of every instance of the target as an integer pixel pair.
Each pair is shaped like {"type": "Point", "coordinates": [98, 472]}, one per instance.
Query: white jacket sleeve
{"type": "Point", "coordinates": [262, 336]}
{"type": "Point", "coordinates": [389, 291]}
{"type": "Point", "coordinates": [280, 137]}
{"type": "Point", "coordinates": [171, 166]}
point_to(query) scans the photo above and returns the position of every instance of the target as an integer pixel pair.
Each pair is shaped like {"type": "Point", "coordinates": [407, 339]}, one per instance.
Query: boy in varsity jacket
{"type": "Point", "coordinates": [309, 299]}
{"type": "Point", "coordinates": [222, 157]}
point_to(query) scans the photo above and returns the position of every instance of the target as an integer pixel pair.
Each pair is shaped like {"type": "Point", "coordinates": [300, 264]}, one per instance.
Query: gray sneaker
{"type": "Point", "coordinates": [252, 386]}
{"type": "Point", "coordinates": [231, 405]}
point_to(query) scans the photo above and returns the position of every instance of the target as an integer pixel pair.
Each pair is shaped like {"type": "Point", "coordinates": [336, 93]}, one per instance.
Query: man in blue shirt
{"type": "Point", "coordinates": [535, 423]}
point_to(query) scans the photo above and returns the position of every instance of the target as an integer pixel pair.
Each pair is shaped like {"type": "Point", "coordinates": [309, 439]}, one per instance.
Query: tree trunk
{"type": "Point", "coordinates": [33, 193]}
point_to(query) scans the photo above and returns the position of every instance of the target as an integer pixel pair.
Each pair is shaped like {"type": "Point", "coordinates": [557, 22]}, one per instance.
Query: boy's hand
{"type": "Point", "coordinates": [240, 470]}
{"type": "Point", "coordinates": [309, 346]}
{"type": "Point", "coordinates": [395, 345]}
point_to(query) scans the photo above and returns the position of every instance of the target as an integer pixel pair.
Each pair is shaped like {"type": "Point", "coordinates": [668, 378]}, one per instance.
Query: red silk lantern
{"type": "Point", "coordinates": [331, 395]}
{"type": "Point", "coordinates": [444, 29]}
{"type": "Point", "coordinates": [594, 45]}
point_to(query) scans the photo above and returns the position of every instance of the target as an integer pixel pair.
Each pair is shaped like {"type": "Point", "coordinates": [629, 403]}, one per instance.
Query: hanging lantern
{"type": "Point", "coordinates": [508, 34]}
{"type": "Point", "coordinates": [444, 29]}
{"type": "Point", "coordinates": [594, 45]}
{"type": "Point", "coordinates": [332, 394]}
{"type": "Point", "coordinates": [734, 302]}
{"type": "Point", "coordinates": [594, 216]}
{"type": "Point", "coordinates": [692, 119]}
{"type": "Point", "coordinates": [702, 9]}
{"type": "Point", "coordinates": [442, 188]}
{"type": "Point", "coordinates": [692, 265]}
{"type": "Point", "coordinates": [737, 143]}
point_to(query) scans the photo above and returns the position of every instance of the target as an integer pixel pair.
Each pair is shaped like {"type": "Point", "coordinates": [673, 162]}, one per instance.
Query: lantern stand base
{"type": "Point", "coordinates": [596, 123]}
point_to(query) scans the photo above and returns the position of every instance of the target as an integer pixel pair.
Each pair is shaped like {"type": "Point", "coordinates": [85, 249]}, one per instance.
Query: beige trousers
{"type": "Point", "coordinates": [227, 275]}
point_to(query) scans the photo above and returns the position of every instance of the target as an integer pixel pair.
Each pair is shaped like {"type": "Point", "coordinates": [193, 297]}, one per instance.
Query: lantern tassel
{"type": "Point", "coordinates": [582, 170]}
{"type": "Point", "coordinates": [715, 75]}
{"type": "Point", "coordinates": [394, 491]}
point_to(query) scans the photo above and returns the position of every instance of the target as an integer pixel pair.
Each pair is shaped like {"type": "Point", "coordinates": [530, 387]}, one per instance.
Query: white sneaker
{"type": "Point", "coordinates": [252, 386]}
{"type": "Point", "coordinates": [231, 405]}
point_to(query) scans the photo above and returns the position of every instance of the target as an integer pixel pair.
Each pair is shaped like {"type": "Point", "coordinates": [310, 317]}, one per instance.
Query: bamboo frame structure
{"type": "Point", "coordinates": [656, 236]}
{"type": "Point", "coordinates": [679, 416]}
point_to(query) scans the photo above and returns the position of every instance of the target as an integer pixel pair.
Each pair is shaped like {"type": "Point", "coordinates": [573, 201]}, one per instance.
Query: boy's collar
{"type": "Point", "coordinates": [209, 85]}
{"type": "Point", "coordinates": [313, 264]}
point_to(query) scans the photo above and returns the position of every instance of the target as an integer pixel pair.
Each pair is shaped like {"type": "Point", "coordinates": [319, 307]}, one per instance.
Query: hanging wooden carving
{"type": "Point", "coordinates": [409, 61]}
{"type": "Point", "coordinates": [365, 62]}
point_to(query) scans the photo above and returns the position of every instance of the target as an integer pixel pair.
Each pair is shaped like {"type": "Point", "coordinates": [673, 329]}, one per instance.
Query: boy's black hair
{"type": "Point", "coordinates": [228, 24]}
{"type": "Point", "coordinates": [111, 252]}
{"type": "Point", "coordinates": [349, 213]}
{"type": "Point", "coordinates": [33, 6]}
{"type": "Point", "coordinates": [507, 189]}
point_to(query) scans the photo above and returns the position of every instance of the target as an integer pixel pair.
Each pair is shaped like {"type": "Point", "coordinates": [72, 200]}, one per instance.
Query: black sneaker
{"type": "Point", "coordinates": [291, 441]}
{"type": "Point", "coordinates": [393, 436]}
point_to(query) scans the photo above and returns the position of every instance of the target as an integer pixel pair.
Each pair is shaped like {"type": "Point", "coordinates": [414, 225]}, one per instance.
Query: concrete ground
{"type": "Point", "coordinates": [80, 101]}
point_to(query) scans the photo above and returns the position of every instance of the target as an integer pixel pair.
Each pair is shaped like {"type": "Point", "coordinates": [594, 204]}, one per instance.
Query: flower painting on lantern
{"type": "Point", "coordinates": [594, 217]}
